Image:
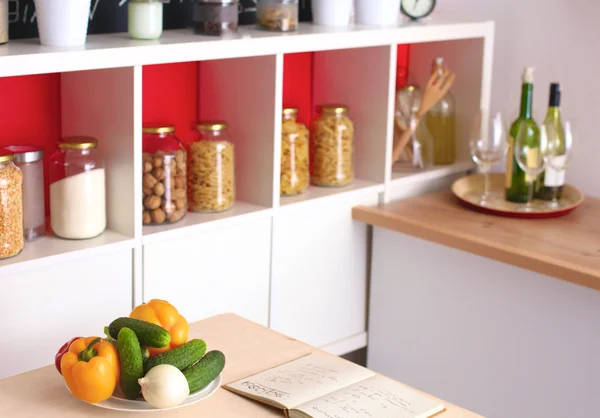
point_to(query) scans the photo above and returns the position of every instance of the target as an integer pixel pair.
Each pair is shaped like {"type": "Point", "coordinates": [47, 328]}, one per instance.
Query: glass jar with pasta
{"type": "Point", "coordinates": [294, 155]}
{"type": "Point", "coordinates": [164, 177]}
{"type": "Point", "coordinates": [211, 175]}
{"type": "Point", "coordinates": [332, 147]}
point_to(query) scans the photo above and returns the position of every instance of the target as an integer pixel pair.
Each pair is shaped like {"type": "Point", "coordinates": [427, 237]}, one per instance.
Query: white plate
{"type": "Point", "coordinates": [117, 403]}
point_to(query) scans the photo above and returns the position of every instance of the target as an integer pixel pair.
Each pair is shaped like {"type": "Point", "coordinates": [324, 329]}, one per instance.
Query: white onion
{"type": "Point", "coordinates": [164, 386]}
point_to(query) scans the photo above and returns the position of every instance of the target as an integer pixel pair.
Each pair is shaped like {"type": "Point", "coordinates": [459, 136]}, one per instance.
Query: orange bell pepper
{"type": "Point", "coordinates": [162, 313]}
{"type": "Point", "coordinates": [91, 369]}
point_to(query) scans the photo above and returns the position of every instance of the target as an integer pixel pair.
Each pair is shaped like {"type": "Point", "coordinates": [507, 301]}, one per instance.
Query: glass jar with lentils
{"type": "Point", "coordinates": [11, 207]}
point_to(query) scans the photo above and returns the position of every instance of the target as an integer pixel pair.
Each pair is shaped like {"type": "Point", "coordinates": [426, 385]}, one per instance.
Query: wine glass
{"type": "Point", "coordinates": [529, 155]}
{"type": "Point", "coordinates": [558, 156]}
{"type": "Point", "coordinates": [487, 145]}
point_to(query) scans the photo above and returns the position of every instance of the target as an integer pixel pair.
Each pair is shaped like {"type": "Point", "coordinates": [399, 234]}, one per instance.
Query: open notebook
{"type": "Point", "coordinates": [323, 386]}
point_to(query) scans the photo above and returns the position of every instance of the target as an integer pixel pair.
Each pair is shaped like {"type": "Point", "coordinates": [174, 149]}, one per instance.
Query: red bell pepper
{"type": "Point", "coordinates": [63, 350]}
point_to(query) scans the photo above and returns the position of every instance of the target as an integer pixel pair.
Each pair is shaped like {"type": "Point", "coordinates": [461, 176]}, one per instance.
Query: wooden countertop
{"type": "Point", "coordinates": [567, 248]}
{"type": "Point", "coordinates": [248, 347]}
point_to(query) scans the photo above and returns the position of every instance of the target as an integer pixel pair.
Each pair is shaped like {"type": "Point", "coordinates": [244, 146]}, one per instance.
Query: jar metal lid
{"type": "Point", "coordinates": [78, 142]}
{"type": "Point", "coordinates": [217, 1]}
{"type": "Point", "coordinates": [169, 129]}
{"type": "Point", "coordinates": [290, 111]}
{"type": "Point", "coordinates": [337, 109]}
{"type": "Point", "coordinates": [26, 153]}
{"type": "Point", "coordinates": [213, 125]}
{"type": "Point", "coordinates": [6, 156]}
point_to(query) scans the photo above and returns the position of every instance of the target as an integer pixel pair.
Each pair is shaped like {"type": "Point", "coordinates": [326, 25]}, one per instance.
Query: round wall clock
{"type": "Point", "coordinates": [417, 9]}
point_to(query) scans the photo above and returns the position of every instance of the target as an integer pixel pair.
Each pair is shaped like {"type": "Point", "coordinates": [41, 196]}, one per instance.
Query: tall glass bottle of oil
{"type": "Point", "coordinates": [441, 123]}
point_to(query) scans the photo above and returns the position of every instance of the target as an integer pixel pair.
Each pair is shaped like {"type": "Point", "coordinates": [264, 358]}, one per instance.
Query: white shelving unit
{"type": "Point", "coordinates": [297, 264]}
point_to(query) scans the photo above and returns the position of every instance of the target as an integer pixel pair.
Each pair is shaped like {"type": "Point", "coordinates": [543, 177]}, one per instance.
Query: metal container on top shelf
{"type": "Point", "coordinates": [215, 17]}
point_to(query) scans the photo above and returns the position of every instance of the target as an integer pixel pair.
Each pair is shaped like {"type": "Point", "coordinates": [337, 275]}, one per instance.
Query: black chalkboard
{"type": "Point", "coordinates": [109, 16]}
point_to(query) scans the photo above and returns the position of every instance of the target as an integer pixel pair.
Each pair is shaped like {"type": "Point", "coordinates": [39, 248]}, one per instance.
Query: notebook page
{"type": "Point", "coordinates": [378, 397]}
{"type": "Point", "coordinates": [301, 380]}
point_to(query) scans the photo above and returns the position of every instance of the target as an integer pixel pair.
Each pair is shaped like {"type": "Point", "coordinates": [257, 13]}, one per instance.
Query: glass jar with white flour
{"type": "Point", "coordinates": [77, 189]}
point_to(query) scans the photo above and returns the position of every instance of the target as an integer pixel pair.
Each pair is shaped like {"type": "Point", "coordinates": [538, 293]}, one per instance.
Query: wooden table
{"type": "Point", "coordinates": [248, 347]}
{"type": "Point", "coordinates": [567, 248]}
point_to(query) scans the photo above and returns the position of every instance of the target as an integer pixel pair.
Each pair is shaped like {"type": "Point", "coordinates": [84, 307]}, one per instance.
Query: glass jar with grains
{"type": "Point", "coordinates": [11, 207]}
{"type": "Point", "coordinates": [294, 154]}
{"type": "Point", "coordinates": [332, 147]}
{"type": "Point", "coordinates": [215, 17]}
{"type": "Point", "coordinates": [211, 178]}
{"type": "Point", "coordinates": [77, 189]}
{"type": "Point", "coordinates": [164, 176]}
{"type": "Point", "coordinates": [277, 15]}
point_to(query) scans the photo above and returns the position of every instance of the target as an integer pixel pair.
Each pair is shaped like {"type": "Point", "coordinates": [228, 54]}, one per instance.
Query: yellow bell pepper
{"type": "Point", "coordinates": [91, 369]}
{"type": "Point", "coordinates": [162, 313]}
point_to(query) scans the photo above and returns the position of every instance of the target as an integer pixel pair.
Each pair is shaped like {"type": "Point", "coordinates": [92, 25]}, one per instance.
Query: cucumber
{"type": "Point", "coordinates": [205, 371]}
{"type": "Point", "coordinates": [132, 366]}
{"type": "Point", "coordinates": [148, 334]}
{"type": "Point", "coordinates": [181, 357]}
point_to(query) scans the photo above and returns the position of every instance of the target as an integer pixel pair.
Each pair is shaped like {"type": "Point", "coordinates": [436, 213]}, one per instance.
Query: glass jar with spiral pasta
{"type": "Point", "coordinates": [211, 174]}
{"type": "Point", "coordinates": [332, 147]}
{"type": "Point", "coordinates": [294, 154]}
{"type": "Point", "coordinates": [164, 177]}
{"type": "Point", "coordinates": [277, 15]}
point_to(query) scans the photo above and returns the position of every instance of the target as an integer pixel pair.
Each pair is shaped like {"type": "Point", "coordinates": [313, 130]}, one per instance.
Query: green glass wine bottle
{"type": "Point", "coordinates": [551, 178]}
{"type": "Point", "coordinates": [517, 182]}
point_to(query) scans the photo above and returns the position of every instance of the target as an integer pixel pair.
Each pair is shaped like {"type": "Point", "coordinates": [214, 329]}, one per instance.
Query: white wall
{"type": "Point", "coordinates": [495, 339]}
{"type": "Point", "coordinates": [560, 38]}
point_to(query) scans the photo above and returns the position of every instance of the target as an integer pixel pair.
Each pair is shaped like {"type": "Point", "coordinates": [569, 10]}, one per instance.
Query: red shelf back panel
{"type": "Point", "coordinates": [170, 96]}
{"type": "Point", "coordinates": [402, 65]}
{"type": "Point", "coordinates": [30, 114]}
{"type": "Point", "coordinates": [297, 84]}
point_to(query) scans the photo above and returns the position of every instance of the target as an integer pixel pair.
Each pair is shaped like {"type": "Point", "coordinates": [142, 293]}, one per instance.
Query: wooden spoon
{"type": "Point", "coordinates": [436, 88]}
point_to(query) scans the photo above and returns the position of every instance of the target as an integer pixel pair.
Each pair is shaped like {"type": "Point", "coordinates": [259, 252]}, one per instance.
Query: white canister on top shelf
{"type": "Point", "coordinates": [377, 12]}
{"type": "Point", "coordinates": [62, 23]}
{"type": "Point", "coordinates": [145, 19]}
{"type": "Point", "coordinates": [332, 12]}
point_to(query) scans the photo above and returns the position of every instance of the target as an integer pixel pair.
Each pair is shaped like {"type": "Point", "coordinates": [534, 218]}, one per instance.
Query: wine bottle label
{"type": "Point", "coordinates": [533, 155]}
{"type": "Point", "coordinates": [554, 178]}
{"type": "Point", "coordinates": [509, 163]}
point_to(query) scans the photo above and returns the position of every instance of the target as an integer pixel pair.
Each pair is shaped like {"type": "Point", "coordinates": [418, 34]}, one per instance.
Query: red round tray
{"type": "Point", "coordinates": [468, 189]}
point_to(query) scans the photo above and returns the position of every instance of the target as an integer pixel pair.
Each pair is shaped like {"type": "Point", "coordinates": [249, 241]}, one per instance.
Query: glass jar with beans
{"type": "Point", "coordinates": [164, 176]}
{"type": "Point", "coordinates": [215, 17]}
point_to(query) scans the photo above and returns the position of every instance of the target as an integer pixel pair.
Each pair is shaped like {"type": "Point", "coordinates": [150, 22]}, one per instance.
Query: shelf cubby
{"type": "Point", "coordinates": [40, 109]}
{"type": "Point", "coordinates": [242, 93]}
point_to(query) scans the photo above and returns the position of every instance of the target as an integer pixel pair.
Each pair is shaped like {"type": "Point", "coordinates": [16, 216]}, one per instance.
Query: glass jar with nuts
{"type": "Point", "coordinates": [332, 147]}
{"type": "Point", "coordinates": [211, 174]}
{"type": "Point", "coordinates": [277, 15]}
{"type": "Point", "coordinates": [294, 154]}
{"type": "Point", "coordinates": [164, 176]}
{"type": "Point", "coordinates": [11, 207]}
